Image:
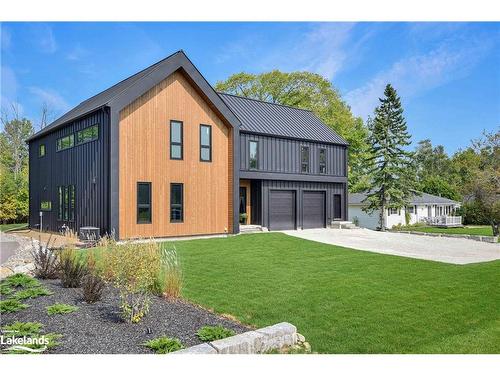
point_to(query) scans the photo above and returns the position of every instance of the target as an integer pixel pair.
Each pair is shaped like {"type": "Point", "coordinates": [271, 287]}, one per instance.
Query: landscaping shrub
{"type": "Point", "coordinates": [11, 305]}
{"type": "Point", "coordinates": [171, 273]}
{"type": "Point", "coordinates": [133, 268]}
{"type": "Point", "coordinates": [92, 287]}
{"type": "Point", "coordinates": [61, 308]}
{"type": "Point", "coordinates": [164, 345]}
{"type": "Point", "coordinates": [20, 280]}
{"type": "Point", "coordinates": [45, 260]}
{"type": "Point", "coordinates": [19, 329]}
{"type": "Point", "coordinates": [5, 290]}
{"type": "Point", "coordinates": [72, 269]}
{"type": "Point", "coordinates": [212, 333]}
{"type": "Point", "coordinates": [32, 293]}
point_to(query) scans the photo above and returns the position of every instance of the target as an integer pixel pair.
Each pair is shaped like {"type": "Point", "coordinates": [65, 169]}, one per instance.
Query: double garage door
{"type": "Point", "coordinates": [283, 210]}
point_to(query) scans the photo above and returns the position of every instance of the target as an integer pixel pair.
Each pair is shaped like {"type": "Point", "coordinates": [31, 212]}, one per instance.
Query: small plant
{"type": "Point", "coordinates": [32, 293]}
{"type": "Point", "coordinates": [11, 305]}
{"type": "Point", "coordinates": [171, 273]}
{"type": "Point", "coordinates": [5, 290]}
{"type": "Point", "coordinates": [212, 333]}
{"type": "Point", "coordinates": [19, 329]}
{"type": "Point", "coordinates": [45, 260]}
{"type": "Point", "coordinates": [164, 345]}
{"type": "Point", "coordinates": [21, 280]}
{"type": "Point", "coordinates": [92, 287]}
{"type": "Point", "coordinates": [61, 308]}
{"type": "Point", "coordinates": [72, 269]}
{"type": "Point", "coordinates": [243, 218]}
{"type": "Point", "coordinates": [133, 268]}
{"type": "Point", "coordinates": [355, 221]}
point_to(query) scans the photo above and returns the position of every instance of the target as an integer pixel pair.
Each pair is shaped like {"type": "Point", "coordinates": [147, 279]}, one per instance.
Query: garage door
{"type": "Point", "coordinates": [313, 209]}
{"type": "Point", "coordinates": [281, 210]}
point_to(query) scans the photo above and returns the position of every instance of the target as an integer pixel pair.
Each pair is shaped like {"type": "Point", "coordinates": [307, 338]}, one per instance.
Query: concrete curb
{"type": "Point", "coordinates": [259, 341]}
{"type": "Point", "coordinates": [489, 239]}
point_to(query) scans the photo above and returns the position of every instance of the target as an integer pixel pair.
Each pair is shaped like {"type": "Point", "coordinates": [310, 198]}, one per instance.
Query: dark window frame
{"type": "Point", "coordinates": [71, 203]}
{"type": "Point", "coordinates": [58, 141]}
{"type": "Point", "coordinates": [302, 164]}
{"type": "Point", "coordinates": [322, 164]}
{"type": "Point", "coordinates": [145, 205]}
{"type": "Point", "coordinates": [40, 147]}
{"type": "Point", "coordinates": [209, 147]}
{"type": "Point", "coordinates": [181, 143]}
{"type": "Point", "coordinates": [60, 201]}
{"type": "Point", "coordinates": [181, 204]}
{"type": "Point", "coordinates": [77, 143]}
{"type": "Point", "coordinates": [250, 141]}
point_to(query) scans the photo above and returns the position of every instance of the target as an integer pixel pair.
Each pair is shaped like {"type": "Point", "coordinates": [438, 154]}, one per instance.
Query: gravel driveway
{"type": "Point", "coordinates": [440, 249]}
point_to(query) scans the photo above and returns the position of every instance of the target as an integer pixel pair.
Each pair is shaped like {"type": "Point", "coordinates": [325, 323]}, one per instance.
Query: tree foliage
{"type": "Point", "coordinates": [14, 169]}
{"type": "Point", "coordinates": [313, 92]}
{"type": "Point", "coordinates": [393, 168]}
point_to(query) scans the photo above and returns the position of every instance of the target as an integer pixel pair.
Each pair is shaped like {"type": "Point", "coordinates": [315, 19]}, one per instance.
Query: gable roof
{"type": "Point", "coordinates": [135, 85]}
{"type": "Point", "coordinates": [275, 119]}
{"type": "Point", "coordinates": [424, 198]}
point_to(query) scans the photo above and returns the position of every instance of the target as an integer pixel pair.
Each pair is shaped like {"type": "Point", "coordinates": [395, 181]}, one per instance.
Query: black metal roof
{"type": "Point", "coordinates": [261, 117]}
{"type": "Point", "coordinates": [417, 198]}
{"type": "Point", "coordinates": [136, 83]}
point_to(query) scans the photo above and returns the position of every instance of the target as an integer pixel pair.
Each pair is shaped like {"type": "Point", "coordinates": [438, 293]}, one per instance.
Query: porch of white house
{"type": "Point", "coordinates": [435, 215]}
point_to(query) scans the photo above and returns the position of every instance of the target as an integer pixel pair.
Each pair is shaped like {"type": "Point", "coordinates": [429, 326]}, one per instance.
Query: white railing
{"type": "Point", "coordinates": [444, 220]}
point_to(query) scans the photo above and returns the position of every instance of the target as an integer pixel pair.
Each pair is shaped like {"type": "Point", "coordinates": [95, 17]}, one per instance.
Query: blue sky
{"type": "Point", "coordinates": [448, 74]}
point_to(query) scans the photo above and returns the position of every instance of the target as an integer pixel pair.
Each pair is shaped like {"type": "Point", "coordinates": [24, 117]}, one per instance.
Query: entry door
{"type": "Point", "coordinates": [313, 208]}
{"type": "Point", "coordinates": [337, 206]}
{"type": "Point", "coordinates": [243, 202]}
{"type": "Point", "coordinates": [281, 210]}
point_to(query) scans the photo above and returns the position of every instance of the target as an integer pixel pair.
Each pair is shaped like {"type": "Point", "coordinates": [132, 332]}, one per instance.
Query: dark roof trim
{"type": "Point", "coordinates": [126, 91]}
{"type": "Point", "coordinates": [259, 175]}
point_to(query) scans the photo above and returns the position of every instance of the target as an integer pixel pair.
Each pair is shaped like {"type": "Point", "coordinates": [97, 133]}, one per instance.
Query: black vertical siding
{"type": "Point", "coordinates": [86, 166]}
{"type": "Point", "coordinates": [299, 187]}
{"type": "Point", "coordinates": [282, 155]}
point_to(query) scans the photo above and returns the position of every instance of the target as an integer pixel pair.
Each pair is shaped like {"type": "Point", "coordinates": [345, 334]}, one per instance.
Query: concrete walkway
{"type": "Point", "coordinates": [8, 247]}
{"type": "Point", "coordinates": [440, 249]}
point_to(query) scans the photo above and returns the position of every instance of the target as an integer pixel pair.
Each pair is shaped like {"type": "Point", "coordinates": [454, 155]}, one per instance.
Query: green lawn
{"type": "Point", "coordinates": [4, 227]}
{"type": "Point", "coordinates": [346, 301]}
{"type": "Point", "coordinates": [483, 230]}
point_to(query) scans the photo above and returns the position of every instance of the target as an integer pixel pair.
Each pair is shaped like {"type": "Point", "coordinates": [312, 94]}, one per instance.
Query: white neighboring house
{"type": "Point", "coordinates": [427, 208]}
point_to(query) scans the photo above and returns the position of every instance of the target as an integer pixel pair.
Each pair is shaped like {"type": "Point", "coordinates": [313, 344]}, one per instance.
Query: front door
{"type": "Point", "coordinates": [243, 205]}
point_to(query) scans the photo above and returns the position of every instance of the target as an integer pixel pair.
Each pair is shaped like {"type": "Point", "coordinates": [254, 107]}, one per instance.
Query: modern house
{"type": "Point", "coordinates": [162, 154]}
{"type": "Point", "coordinates": [423, 207]}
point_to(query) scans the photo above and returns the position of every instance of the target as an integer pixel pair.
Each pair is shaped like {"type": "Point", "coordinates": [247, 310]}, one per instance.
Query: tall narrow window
{"type": "Point", "coordinates": [253, 149]}
{"type": "Point", "coordinates": [71, 204]}
{"type": "Point", "coordinates": [304, 159]}
{"type": "Point", "coordinates": [205, 143]}
{"type": "Point", "coordinates": [61, 203]}
{"type": "Point", "coordinates": [66, 203]}
{"type": "Point", "coordinates": [41, 150]}
{"type": "Point", "coordinates": [144, 202]}
{"type": "Point", "coordinates": [322, 160]}
{"type": "Point", "coordinates": [176, 203]}
{"type": "Point", "coordinates": [176, 140]}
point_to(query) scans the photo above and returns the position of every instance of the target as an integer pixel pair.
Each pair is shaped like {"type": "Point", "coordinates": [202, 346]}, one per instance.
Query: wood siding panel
{"type": "Point", "coordinates": [145, 156]}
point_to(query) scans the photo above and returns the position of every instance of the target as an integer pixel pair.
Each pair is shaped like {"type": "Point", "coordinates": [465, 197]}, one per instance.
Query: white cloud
{"type": "Point", "coordinates": [52, 98]}
{"type": "Point", "coordinates": [77, 53]}
{"type": "Point", "coordinates": [417, 74]}
{"type": "Point", "coordinates": [8, 87]}
{"type": "Point", "coordinates": [44, 38]}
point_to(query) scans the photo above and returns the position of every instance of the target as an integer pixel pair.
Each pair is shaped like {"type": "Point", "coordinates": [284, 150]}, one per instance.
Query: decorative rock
{"type": "Point", "coordinates": [300, 338]}
{"type": "Point", "coordinates": [307, 347]}
{"type": "Point", "coordinates": [246, 343]}
{"type": "Point", "coordinates": [198, 349]}
{"type": "Point", "coordinates": [4, 272]}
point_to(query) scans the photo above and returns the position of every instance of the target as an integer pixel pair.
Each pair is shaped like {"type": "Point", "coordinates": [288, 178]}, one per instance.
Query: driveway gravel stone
{"type": "Point", "coordinates": [440, 249]}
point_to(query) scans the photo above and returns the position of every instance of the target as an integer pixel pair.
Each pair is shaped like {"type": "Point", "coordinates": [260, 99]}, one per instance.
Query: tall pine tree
{"type": "Point", "coordinates": [393, 172]}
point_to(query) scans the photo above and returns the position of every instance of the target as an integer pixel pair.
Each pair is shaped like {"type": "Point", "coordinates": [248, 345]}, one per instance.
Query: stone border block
{"type": "Point", "coordinates": [198, 349]}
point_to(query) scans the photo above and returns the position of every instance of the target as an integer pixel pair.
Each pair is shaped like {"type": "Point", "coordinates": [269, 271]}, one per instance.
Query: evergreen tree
{"type": "Point", "coordinates": [393, 168]}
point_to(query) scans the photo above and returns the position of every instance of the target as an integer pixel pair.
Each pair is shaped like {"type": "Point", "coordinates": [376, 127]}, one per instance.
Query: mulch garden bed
{"type": "Point", "coordinates": [98, 327]}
